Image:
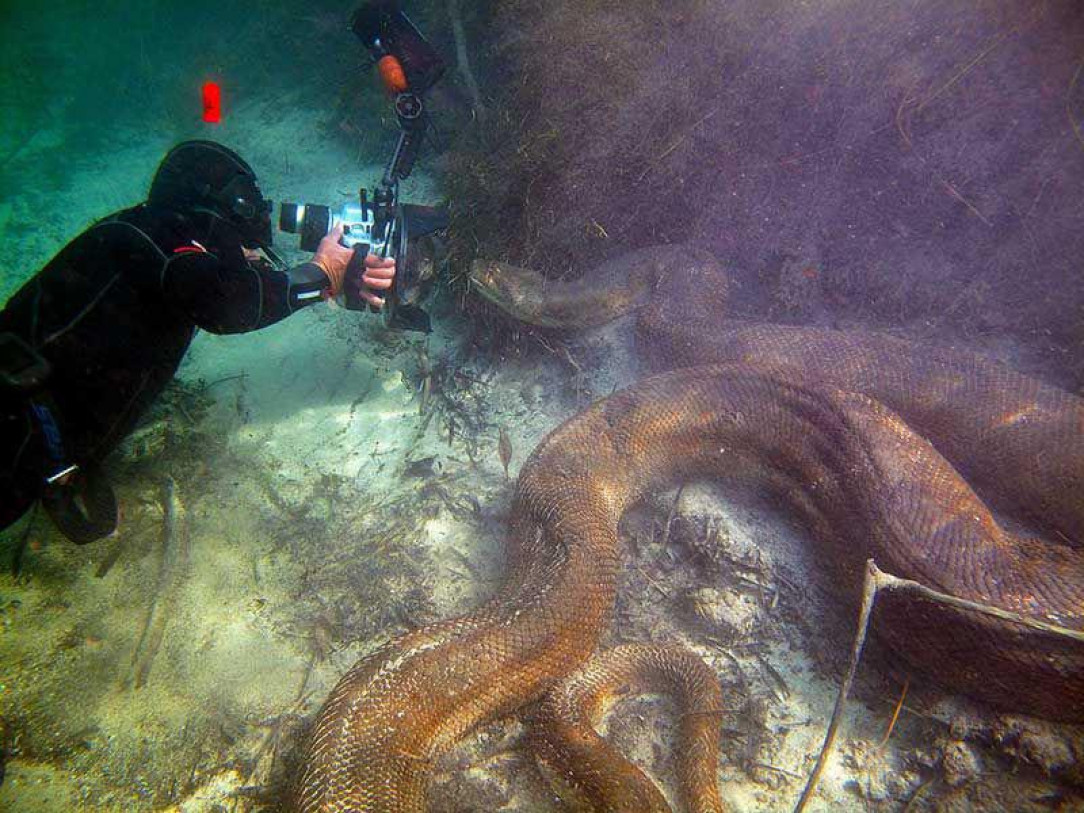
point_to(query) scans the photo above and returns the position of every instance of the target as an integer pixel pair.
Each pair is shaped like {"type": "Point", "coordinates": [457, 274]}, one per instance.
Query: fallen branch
{"type": "Point", "coordinates": [876, 579]}
{"type": "Point", "coordinates": [170, 571]}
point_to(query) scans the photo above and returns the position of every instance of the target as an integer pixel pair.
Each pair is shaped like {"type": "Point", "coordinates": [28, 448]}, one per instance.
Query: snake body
{"type": "Point", "coordinates": [562, 735]}
{"type": "Point", "coordinates": [865, 436]}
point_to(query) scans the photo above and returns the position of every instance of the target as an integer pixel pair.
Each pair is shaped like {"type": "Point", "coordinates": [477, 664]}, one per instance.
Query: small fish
{"type": "Point", "coordinates": [504, 448]}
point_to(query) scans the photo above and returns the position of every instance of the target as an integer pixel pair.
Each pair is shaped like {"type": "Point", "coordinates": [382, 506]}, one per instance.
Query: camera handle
{"type": "Point", "coordinates": [355, 270]}
{"type": "Point", "coordinates": [383, 208]}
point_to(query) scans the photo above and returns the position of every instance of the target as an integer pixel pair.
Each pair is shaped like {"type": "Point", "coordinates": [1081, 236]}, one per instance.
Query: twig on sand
{"type": "Point", "coordinates": [910, 105]}
{"type": "Point", "coordinates": [776, 769]}
{"type": "Point", "coordinates": [271, 740]}
{"type": "Point", "coordinates": [902, 122]}
{"type": "Point", "coordinates": [895, 715]}
{"type": "Point", "coordinates": [652, 582]}
{"type": "Point", "coordinates": [670, 516]}
{"type": "Point", "coordinates": [877, 579]}
{"type": "Point", "coordinates": [920, 791]}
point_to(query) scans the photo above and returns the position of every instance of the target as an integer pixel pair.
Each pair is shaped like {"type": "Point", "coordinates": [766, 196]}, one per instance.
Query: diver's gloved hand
{"type": "Point", "coordinates": [378, 276]}
{"type": "Point", "coordinates": [333, 257]}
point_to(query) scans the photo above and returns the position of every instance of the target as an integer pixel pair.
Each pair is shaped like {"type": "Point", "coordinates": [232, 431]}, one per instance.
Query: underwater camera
{"type": "Point", "coordinates": [412, 234]}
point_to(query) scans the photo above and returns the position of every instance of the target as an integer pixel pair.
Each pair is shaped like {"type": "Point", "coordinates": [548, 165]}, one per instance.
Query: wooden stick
{"type": "Point", "coordinates": [869, 593]}
{"type": "Point", "coordinates": [170, 571]}
{"type": "Point", "coordinates": [895, 714]}
{"type": "Point", "coordinates": [888, 581]}
{"type": "Point", "coordinates": [671, 515]}
{"type": "Point", "coordinates": [875, 580]}
{"type": "Point", "coordinates": [652, 582]}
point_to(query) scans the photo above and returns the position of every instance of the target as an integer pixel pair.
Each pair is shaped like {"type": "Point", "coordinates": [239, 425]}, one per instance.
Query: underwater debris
{"type": "Point", "coordinates": [670, 517]}
{"type": "Point", "coordinates": [876, 580]}
{"type": "Point", "coordinates": [22, 543]}
{"type": "Point", "coordinates": [425, 378]}
{"type": "Point", "coordinates": [504, 449]}
{"type": "Point", "coordinates": [422, 467]}
{"type": "Point", "coordinates": [895, 714]}
{"type": "Point", "coordinates": [270, 747]}
{"type": "Point", "coordinates": [960, 762]}
{"type": "Point", "coordinates": [110, 559]}
{"type": "Point", "coordinates": [580, 380]}
{"type": "Point", "coordinates": [462, 60]}
{"type": "Point", "coordinates": [173, 436]}
{"type": "Point", "coordinates": [730, 615]}
{"type": "Point", "coordinates": [174, 563]}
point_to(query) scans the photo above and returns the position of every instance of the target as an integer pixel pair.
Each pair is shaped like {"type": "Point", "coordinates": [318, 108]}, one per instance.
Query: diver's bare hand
{"type": "Point", "coordinates": [333, 259]}
{"type": "Point", "coordinates": [378, 276]}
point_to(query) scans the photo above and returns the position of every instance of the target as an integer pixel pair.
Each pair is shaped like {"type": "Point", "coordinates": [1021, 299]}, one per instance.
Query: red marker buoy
{"type": "Point", "coordinates": [212, 103]}
{"type": "Point", "coordinates": [392, 73]}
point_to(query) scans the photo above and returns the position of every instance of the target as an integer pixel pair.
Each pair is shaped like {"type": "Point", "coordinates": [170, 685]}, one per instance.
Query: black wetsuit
{"type": "Point", "coordinates": [113, 313]}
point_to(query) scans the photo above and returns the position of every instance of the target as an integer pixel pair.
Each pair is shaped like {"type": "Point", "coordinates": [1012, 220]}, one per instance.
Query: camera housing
{"type": "Point", "coordinates": [410, 233]}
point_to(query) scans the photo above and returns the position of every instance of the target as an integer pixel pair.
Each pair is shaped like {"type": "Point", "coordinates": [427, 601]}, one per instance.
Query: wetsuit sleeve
{"type": "Point", "coordinates": [223, 297]}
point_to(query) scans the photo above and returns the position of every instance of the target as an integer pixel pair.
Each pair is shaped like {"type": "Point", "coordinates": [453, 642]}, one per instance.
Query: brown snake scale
{"type": "Point", "coordinates": [865, 436]}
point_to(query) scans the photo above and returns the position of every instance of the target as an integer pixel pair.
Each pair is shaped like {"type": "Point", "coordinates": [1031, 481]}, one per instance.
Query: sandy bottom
{"type": "Point", "coordinates": [328, 499]}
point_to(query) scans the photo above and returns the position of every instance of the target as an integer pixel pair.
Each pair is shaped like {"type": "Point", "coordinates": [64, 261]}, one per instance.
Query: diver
{"type": "Point", "coordinates": [95, 336]}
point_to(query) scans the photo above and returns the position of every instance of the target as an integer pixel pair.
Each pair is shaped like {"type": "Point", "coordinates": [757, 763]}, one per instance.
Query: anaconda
{"type": "Point", "coordinates": [866, 436]}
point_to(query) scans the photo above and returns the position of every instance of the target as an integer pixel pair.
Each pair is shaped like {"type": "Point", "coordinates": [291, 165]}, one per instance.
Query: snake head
{"type": "Point", "coordinates": [516, 291]}
{"type": "Point", "coordinates": [487, 279]}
